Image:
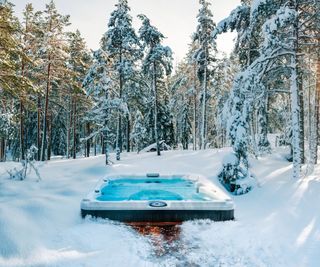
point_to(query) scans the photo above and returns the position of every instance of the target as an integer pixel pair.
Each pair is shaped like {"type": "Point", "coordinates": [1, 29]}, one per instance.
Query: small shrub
{"type": "Point", "coordinates": [233, 177]}
{"type": "Point", "coordinates": [27, 166]}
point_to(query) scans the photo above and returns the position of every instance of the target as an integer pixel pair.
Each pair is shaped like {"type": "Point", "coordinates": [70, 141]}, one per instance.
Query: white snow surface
{"type": "Point", "coordinates": [230, 159]}
{"type": "Point", "coordinates": [277, 224]}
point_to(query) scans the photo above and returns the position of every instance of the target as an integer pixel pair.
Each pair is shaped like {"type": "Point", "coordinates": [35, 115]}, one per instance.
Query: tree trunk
{"type": "Point", "coordinates": [21, 132]}
{"type": "Point", "coordinates": [105, 139]}
{"type": "Point", "coordinates": [317, 114]}
{"type": "Point", "coordinates": [154, 84]}
{"type": "Point", "coordinates": [49, 136]}
{"type": "Point", "coordinates": [69, 123]}
{"type": "Point", "coordinates": [119, 130]}
{"type": "Point", "coordinates": [310, 118]}
{"type": "Point", "coordinates": [301, 123]}
{"type": "Point", "coordinates": [68, 135]}
{"type": "Point", "coordinates": [267, 112]}
{"type": "Point", "coordinates": [224, 137]}
{"type": "Point", "coordinates": [128, 133]}
{"type": "Point", "coordinates": [44, 127]}
{"type": "Point", "coordinates": [253, 132]}
{"type": "Point", "coordinates": [39, 128]}
{"type": "Point", "coordinates": [194, 109]}
{"type": "Point", "coordinates": [295, 105]}
{"type": "Point", "coordinates": [296, 101]}
{"type": "Point", "coordinates": [74, 108]}
{"type": "Point", "coordinates": [2, 149]}
{"type": "Point", "coordinates": [88, 140]}
{"type": "Point", "coordinates": [21, 137]}
{"type": "Point", "coordinates": [103, 149]}
{"type": "Point", "coordinates": [204, 98]}
{"type": "Point", "coordinates": [28, 131]}
{"type": "Point", "coordinates": [262, 126]}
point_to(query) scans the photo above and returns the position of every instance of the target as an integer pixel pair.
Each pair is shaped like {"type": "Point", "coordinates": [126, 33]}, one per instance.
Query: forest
{"type": "Point", "coordinates": [60, 98]}
{"type": "Point", "coordinates": [190, 142]}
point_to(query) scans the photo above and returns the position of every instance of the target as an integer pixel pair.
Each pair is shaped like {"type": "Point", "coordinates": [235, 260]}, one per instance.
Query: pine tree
{"type": "Point", "coordinates": [28, 39]}
{"type": "Point", "coordinates": [79, 62]}
{"type": "Point", "coordinates": [138, 134]}
{"type": "Point", "coordinates": [185, 126]}
{"type": "Point", "coordinates": [123, 47]}
{"type": "Point", "coordinates": [275, 30]}
{"type": "Point", "coordinates": [166, 131]}
{"type": "Point", "coordinates": [225, 72]}
{"type": "Point", "coordinates": [204, 58]}
{"type": "Point", "coordinates": [10, 48]}
{"type": "Point", "coordinates": [13, 84]}
{"type": "Point", "coordinates": [247, 85]}
{"type": "Point", "coordinates": [8, 68]}
{"type": "Point", "coordinates": [235, 166]}
{"type": "Point", "coordinates": [156, 64]}
{"type": "Point", "coordinates": [182, 98]}
{"type": "Point", "coordinates": [54, 49]}
{"type": "Point", "coordinates": [308, 54]}
{"type": "Point", "coordinates": [195, 93]}
{"type": "Point", "coordinates": [282, 39]}
{"type": "Point", "coordinates": [98, 86]}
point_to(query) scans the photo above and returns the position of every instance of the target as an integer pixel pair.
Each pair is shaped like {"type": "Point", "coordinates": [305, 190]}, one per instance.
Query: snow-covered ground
{"type": "Point", "coordinates": [277, 224]}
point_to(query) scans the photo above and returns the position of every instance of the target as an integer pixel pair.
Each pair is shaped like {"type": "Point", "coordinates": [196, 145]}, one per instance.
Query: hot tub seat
{"type": "Point", "coordinates": [154, 195]}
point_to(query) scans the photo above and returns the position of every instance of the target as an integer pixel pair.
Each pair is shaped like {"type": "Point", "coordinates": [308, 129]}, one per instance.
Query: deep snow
{"type": "Point", "coordinates": [277, 224]}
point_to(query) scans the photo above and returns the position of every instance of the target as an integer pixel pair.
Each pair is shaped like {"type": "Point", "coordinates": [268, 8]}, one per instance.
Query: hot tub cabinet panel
{"type": "Point", "coordinates": [137, 198]}
{"type": "Point", "coordinates": [160, 215]}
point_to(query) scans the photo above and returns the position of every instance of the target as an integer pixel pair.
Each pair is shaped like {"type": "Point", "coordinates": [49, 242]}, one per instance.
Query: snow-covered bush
{"type": "Point", "coordinates": [27, 166]}
{"type": "Point", "coordinates": [235, 168]}
{"type": "Point", "coordinates": [234, 177]}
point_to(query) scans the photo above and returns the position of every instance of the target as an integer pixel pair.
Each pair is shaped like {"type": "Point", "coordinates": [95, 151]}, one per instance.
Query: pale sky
{"type": "Point", "coordinates": [176, 19]}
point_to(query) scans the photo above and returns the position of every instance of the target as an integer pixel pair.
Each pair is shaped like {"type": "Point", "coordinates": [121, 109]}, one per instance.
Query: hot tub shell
{"type": "Point", "coordinates": [219, 208]}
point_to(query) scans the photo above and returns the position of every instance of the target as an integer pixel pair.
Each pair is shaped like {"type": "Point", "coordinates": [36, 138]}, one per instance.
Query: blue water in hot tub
{"type": "Point", "coordinates": [146, 188]}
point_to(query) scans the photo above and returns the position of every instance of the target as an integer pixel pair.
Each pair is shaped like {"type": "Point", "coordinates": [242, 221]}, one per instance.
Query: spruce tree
{"type": "Point", "coordinates": [138, 134]}
{"type": "Point", "coordinates": [156, 64]}
{"type": "Point", "coordinates": [54, 49]}
{"type": "Point", "coordinates": [122, 45]}
{"type": "Point", "coordinates": [13, 83]}
{"type": "Point", "coordinates": [182, 98]}
{"type": "Point", "coordinates": [98, 85]}
{"type": "Point", "coordinates": [204, 57]}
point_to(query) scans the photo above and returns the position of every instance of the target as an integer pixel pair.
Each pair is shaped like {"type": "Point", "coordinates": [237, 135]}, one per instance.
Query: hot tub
{"type": "Point", "coordinates": [154, 198]}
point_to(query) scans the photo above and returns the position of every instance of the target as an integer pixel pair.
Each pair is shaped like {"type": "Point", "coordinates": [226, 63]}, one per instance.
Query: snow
{"type": "Point", "coordinates": [153, 147]}
{"type": "Point", "coordinates": [246, 184]}
{"type": "Point", "coordinates": [255, 4]}
{"type": "Point", "coordinates": [230, 159]}
{"type": "Point", "coordinates": [232, 22]}
{"type": "Point", "coordinates": [277, 223]}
